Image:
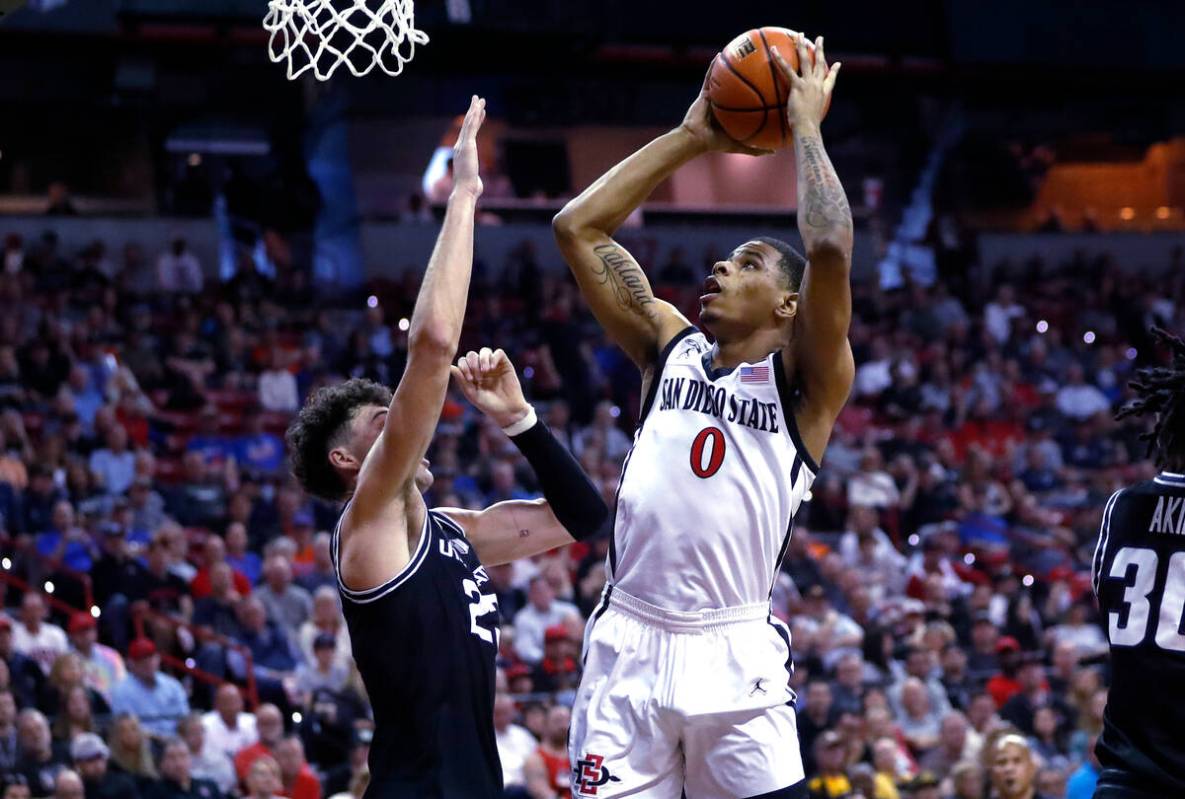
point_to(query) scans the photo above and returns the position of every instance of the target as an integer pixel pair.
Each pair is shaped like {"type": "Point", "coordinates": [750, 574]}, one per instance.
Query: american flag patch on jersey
{"type": "Point", "coordinates": [755, 374]}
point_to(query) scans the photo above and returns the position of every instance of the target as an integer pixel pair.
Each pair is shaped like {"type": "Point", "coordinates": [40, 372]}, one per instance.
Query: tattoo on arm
{"type": "Point", "coordinates": [824, 204]}
{"type": "Point", "coordinates": [625, 279]}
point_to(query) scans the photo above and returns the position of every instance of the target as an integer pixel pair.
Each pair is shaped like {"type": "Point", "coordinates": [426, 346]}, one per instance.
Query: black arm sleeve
{"type": "Point", "coordinates": [574, 499]}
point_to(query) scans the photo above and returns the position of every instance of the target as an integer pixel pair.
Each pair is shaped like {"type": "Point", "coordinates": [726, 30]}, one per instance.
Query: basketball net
{"type": "Point", "coordinates": [361, 34]}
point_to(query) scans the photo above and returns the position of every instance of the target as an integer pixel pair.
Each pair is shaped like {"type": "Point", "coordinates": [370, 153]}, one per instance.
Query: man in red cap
{"type": "Point", "coordinates": [103, 665]}
{"type": "Point", "coordinates": [155, 698]}
{"type": "Point", "coordinates": [559, 670]}
{"type": "Point", "coordinates": [1004, 686]}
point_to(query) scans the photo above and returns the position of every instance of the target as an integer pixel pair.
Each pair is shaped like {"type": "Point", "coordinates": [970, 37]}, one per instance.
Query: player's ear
{"type": "Point", "coordinates": [340, 458]}
{"type": "Point", "coordinates": [788, 306]}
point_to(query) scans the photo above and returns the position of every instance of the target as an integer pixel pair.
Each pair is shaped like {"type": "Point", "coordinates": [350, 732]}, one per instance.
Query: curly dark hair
{"type": "Point", "coordinates": [321, 425]}
{"type": "Point", "coordinates": [1160, 393]}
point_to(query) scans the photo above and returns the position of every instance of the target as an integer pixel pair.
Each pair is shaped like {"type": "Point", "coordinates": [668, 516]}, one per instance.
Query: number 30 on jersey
{"type": "Point", "coordinates": [1130, 628]}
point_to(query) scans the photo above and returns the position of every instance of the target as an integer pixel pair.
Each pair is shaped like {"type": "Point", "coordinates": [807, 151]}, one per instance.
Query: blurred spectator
{"type": "Point", "coordinates": [147, 694]}
{"type": "Point", "coordinates": [326, 619]}
{"type": "Point", "coordinates": [90, 757]}
{"type": "Point", "coordinates": [131, 752]}
{"type": "Point", "coordinates": [215, 551]}
{"type": "Point", "coordinates": [263, 779]}
{"type": "Point", "coordinates": [270, 727]}
{"type": "Point", "coordinates": [178, 270]}
{"type": "Point", "coordinates": [515, 744]}
{"type": "Point", "coordinates": [1079, 400]}
{"type": "Point", "coordinates": [241, 559]}
{"type": "Point", "coordinates": [326, 671]}
{"type": "Point", "coordinates": [68, 785]}
{"type": "Point", "coordinates": [206, 762]}
{"type": "Point", "coordinates": [277, 386]}
{"type": "Point", "coordinates": [36, 638]}
{"type": "Point", "coordinates": [299, 781]}
{"type": "Point", "coordinates": [542, 611]}
{"type": "Point", "coordinates": [1013, 770]}
{"type": "Point", "coordinates": [830, 781]}
{"type": "Point", "coordinates": [176, 776]}
{"type": "Point", "coordinates": [287, 604]}
{"type": "Point", "coordinates": [60, 203]}
{"type": "Point", "coordinates": [547, 771]}
{"type": "Point", "coordinates": [114, 465]}
{"type": "Point", "coordinates": [228, 729]}
{"type": "Point", "coordinates": [39, 762]}
{"type": "Point", "coordinates": [9, 744]}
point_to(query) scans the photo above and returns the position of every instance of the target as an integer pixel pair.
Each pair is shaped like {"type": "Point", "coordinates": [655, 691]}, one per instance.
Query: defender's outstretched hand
{"type": "Point", "coordinates": [489, 382]}
{"type": "Point", "coordinates": [702, 125]}
{"type": "Point", "coordinates": [466, 172]}
{"type": "Point", "coordinates": [810, 85]}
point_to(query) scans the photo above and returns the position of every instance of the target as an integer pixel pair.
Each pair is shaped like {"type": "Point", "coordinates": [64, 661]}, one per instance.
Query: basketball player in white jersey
{"type": "Point", "coordinates": [685, 688]}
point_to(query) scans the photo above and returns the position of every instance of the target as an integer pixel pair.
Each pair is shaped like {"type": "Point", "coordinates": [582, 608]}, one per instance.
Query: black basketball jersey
{"type": "Point", "coordinates": [1139, 576]}
{"type": "Point", "coordinates": [425, 643]}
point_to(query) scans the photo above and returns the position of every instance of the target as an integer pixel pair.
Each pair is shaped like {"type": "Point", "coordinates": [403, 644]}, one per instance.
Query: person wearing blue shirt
{"type": "Point", "coordinates": [1082, 782]}
{"type": "Point", "coordinates": [257, 450]}
{"type": "Point", "coordinates": [114, 466]}
{"type": "Point", "coordinates": [65, 542]}
{"type": "Point", "coordinates": [155, 698]}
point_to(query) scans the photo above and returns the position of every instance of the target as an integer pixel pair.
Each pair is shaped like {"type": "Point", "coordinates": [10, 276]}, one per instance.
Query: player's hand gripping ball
{"type": "Point", "coordinates": [748, 89]}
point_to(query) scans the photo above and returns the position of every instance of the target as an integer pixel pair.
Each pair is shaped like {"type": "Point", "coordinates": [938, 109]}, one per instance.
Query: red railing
{"type": "Point", "coordinates": [21, 584]}
{"type": "Point", "coordinates": [55, 568]}
{"type": "Point", "coordinates": [141, 612]}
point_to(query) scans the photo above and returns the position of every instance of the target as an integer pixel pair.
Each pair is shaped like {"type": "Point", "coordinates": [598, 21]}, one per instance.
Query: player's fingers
{"type": "Point", "coordinates": [462, 367]}
{"type": "Point", "coordinates": [804, 56]}
{"type": "Point", "coordinates": [471, 358]}
{"type": "Point", "coordinates": [485, 357]}
{"type": "Point", "coordinates": [500, 358]}
{"type": "Point", "coordinates": [820, 61]}
{"type": "Point", "coordinates": [832, 74]}
{"type": "Point", "coordinates": [455, 371]}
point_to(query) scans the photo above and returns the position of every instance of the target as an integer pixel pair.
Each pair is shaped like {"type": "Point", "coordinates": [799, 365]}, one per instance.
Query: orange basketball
{"type": "Point", "coordinates": [748, 91]}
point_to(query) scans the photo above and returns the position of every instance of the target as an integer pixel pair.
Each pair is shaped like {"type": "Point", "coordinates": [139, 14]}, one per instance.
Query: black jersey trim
{"type": "Point", "coordinates": [789, 532]}
{"type": "Point", "coordinates": [1100, 550]}
{"type": "Point", "coordinates": [659, 365]}
{"type": "Point", "coordinates": [380, 591]}
{"type": "Point", "coordinates": [787, 398]}
{"type": "Point", "coordinates": [784, 633]}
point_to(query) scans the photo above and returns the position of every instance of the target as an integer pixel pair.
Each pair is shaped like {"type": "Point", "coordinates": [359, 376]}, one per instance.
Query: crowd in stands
{"type": "Point", "coordinates": [173, 627]}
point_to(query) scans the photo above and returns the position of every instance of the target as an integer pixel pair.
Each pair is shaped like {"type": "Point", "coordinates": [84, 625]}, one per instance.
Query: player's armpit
{"type": "Point", "coordinates": [510, 530]}
{"type": "Point", "coordinates": [618, 292]}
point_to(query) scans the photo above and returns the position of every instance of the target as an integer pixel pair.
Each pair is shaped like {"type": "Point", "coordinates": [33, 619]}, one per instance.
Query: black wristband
{"type": "Point", "coordinates": [573, 498]}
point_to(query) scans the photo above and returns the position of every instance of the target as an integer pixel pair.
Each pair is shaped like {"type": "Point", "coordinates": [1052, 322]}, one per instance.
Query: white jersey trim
{"type": "Point", "coordinates": [378, 592]}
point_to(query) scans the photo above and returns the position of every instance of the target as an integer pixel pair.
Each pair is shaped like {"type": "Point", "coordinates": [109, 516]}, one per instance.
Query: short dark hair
{"type": "Point", "coordinates": [1160, 393]}
{"type": "Point", "coordinates": [319, 427]}
{"type": "Point", "coordinates": [792, 263]}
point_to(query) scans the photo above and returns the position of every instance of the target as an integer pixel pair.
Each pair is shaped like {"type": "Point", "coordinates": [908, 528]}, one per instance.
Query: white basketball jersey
{"type": "Point", "coordinates": [709, 491]}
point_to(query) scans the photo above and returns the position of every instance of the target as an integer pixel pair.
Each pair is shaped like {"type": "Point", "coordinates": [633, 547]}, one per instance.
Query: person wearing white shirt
{"type": "Point", "coordinates": [207, 762]}
{"type": "Point", "coordinates": [875, 374]}
{"type": "Point", "coordinates": [614, 443]}
{"type": "Point", "coordinates": [178, 270]}
{"type": "Point", "coordinates": [277, 387]}
{"type": "Point", "coordinates": [34, 638]}
{"type": "Point", "coordinates": [228, 728]}
{"type": "Point", "coordinates": [998, 315]}
{"type": "Point", "coordinates": [1079, 400]}
{"type": "Point", "coordinates": [865, 547]}
{"type": "Point", "coordinates": [542, 610]}
{"type": "Point", "coordinates": [872, 485]}
{"type": "Point", "coordinates": [515, 744]}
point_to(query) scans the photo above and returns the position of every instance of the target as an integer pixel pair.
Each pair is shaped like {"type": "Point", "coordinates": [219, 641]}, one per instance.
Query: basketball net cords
{"type": "Point", "coordinates": [381, 36]}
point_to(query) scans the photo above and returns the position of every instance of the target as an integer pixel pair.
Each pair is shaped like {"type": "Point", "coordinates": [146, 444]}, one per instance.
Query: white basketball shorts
{"type": "Point", "coordinates": [679, 704]}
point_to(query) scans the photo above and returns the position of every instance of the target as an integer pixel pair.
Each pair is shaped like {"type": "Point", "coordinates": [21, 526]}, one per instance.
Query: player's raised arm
{"type": "Point", "coordinates": [824, 367]}
{"type": "Point", "coordinates": [370, 552]}
{"type": "Point", "coordinates": [611, 280]}
{"type": "Point", "coordinates": [571, 509]}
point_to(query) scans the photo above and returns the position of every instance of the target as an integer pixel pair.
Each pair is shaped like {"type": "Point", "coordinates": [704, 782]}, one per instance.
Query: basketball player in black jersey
{"type": "Point", "coordinates": [1139, 576]}
{"type": "Point", "coordinates": [420, 608]}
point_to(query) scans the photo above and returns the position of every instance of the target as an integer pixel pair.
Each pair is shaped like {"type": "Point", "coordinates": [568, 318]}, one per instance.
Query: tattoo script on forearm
{"type": "Point", "coordinates": [824, 204]}
{"type": "Point", "coordinates": [625, 278]}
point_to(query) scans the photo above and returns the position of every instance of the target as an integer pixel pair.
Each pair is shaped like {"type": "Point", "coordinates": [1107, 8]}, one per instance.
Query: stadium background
{"type": "Point", "coordinates": [192, 243]}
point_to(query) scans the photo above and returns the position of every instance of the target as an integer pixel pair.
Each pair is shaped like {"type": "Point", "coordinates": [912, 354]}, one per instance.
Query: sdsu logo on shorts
{"type": "Point", "coordinates": [589, 774]}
